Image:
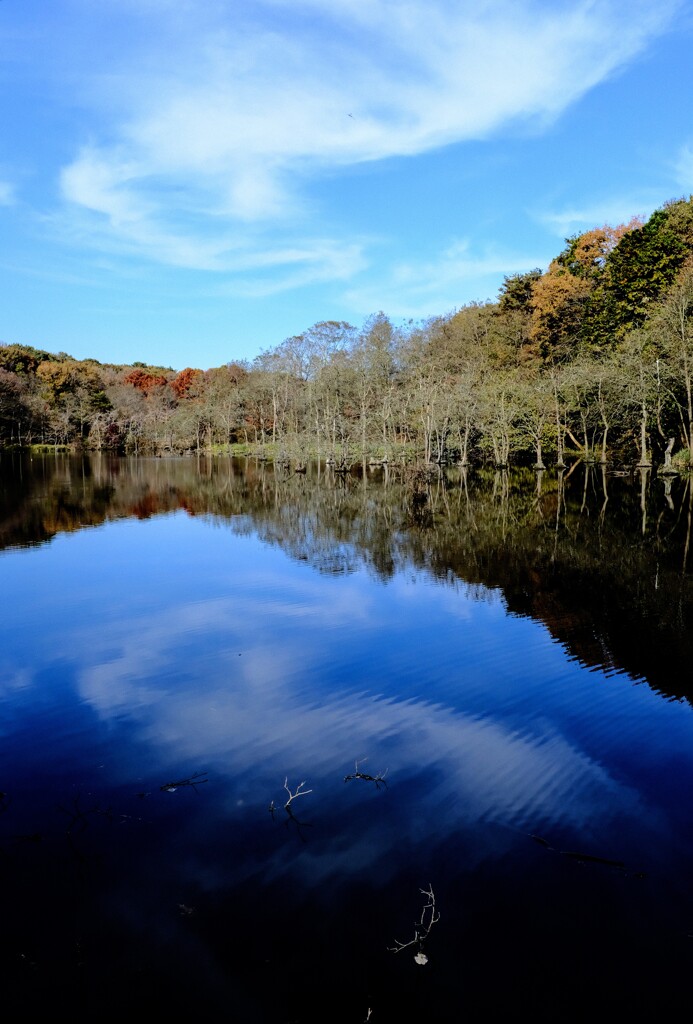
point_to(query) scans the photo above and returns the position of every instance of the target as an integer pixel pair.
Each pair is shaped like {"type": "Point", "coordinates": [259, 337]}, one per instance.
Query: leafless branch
{"type": "Point", "coordinates": [81, 817]}
{"type": "Point", "coordinates": [300, 791]}
{"type": "Point", "coordinates": [429, 917]}
{"type": "Point", "coordinates": [290, 816]}
{"type": "Point", "coordinates": [378, 779]}
{"type": "Point", "coordinates": [194, 781]}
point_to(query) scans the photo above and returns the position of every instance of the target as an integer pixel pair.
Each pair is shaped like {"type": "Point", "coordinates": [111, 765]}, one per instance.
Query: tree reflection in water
{"type": "Point", "coordinates": [537, 833]}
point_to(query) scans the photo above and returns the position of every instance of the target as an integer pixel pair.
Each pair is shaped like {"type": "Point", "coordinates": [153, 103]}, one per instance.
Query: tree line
{"type": "Point", "coordinates": [592, 357]}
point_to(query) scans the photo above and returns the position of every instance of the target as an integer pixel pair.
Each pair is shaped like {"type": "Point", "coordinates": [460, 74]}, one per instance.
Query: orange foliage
{"type": "Point", "coordinates": [144, 382]}
{"type": "Point", "coordinates": [559, 296]}
{"type": "Point", "coordinates": [182, 383]}
{"type": "Point", "coordinates": [553, 294]}
{"type": "Point", "coordinates": [587, 255]}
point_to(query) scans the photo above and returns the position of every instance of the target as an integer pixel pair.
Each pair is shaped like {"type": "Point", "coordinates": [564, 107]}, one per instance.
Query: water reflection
{"type": "Point", "coordinates": [602, 561]}
{"type": "Point", "coordinates": [229, 642]}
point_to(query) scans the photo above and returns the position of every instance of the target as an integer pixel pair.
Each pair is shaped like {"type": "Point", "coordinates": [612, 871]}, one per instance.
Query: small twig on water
{"type": "Point", "coordinates": [194, 781]}
{"type": "Point", "coordinates": [290, 816]}
{"type": "Point", "coordinates": [300, 791]}
{"type": "Point", "coordinates": [429, 917]}
{"type": "Point", "coordinates": [80, 817]}
{"type": "Point", "coordinates": [378, 779]}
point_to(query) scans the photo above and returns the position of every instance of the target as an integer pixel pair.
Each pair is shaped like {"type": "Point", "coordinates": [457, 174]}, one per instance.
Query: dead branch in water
{"type": "Point", "coordinates": [422, 929]}
{"type": "Point", "coordinates": [300, 791]}
{"type": "Point", "coordinates": [290, 816]}
{"type": "Point", "coordinates": [378, 779]}
{"type": "Point", "coordinates": [194, 781]}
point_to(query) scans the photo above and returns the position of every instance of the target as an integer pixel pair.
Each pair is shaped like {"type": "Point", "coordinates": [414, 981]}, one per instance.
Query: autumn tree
{"type": "Point", "coordinates": [130, 413]}
{"type": "Point", "coordinates": [224, 397]}
{"type": "Point", "coordinates": [570, 302]}
{"type": "Point", "coordinates": [14, 413]}
{"type": "Point", "coordinates": [594, 391]}
{"type": "Point", "coordinates": [328, 345]}
{"type": "Point", "coordinates": [375, 363]}
{"type": "Point", "coordinates": [638, 368]}
{"type": "Point", "coordinates": [476, 331]}
{"type": "Point", "coordinates": [535, 412]}
{"type": "Point", "coordinates": [286, 368]}
{"type": "Point", "coordinates": [257, 407]}
{"type": "Point", "coordinates": [23, 359]}
{"type": "Point", "coordinates": [514, 313]}
{"type": "Point", "coordinates": [610, 398]}
{"type": "Point", "coordinates": [182, 382]}
{"type": "Point", "coordinates": [445, 367]}
{"type": "Point", "coordinates": [74, 393]}
{"type": "Point", "coordinates": [672, 322]}
{"type": "Point", "coordinates": [144, 381]}
{"type": "Point", "coordinates": [499, 409]}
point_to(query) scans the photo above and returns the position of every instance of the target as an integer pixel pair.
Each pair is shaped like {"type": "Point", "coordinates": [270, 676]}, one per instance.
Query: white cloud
{"type": "Point", "coordinates": [618, 210]}
{"type": "Point", "coordinates": [102, 185]}
{"type": "Point", "coordinates": [258, 709]}
{"type": "Point", "coordinates": [123, 217]}
{"type": "Point", "coordinates": [684, 168]}
{"type": "Point", "coordinates": [319, 261]}
{"type": "Point", "coordinates": [215, 125]}
{"type": "Point", "coordinates": [458, 275]}
{"type": "Point", "coordinates": [7, 197]}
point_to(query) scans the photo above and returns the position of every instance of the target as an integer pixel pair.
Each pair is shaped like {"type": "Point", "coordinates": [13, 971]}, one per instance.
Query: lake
{"type": "Point", "coordinates": [380, 746]}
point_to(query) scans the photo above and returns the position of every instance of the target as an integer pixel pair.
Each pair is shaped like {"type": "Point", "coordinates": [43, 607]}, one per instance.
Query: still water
{"type": "Point", "coordinates": [282, 748]}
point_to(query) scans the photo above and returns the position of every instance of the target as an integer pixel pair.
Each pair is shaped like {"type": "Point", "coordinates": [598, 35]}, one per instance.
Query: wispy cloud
{"type": "Point", "coordinates": [118, 217]}
{"type": "Point", "coordinates": [7, 195]}
{"type": "Point", "coordinates": [684, 168]}
{"type": "Point", "coordinates": [459, 274]}
{"type": "Point", "coordinates": [616, 210]}
{"type": "Point", "coordinates": [216, 126]}
{"type": "Point", "coordinates": [481, 768]}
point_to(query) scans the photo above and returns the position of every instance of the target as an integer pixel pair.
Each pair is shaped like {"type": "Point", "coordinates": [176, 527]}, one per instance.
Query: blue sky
{"type": "Point", "coordinates": [191, 182]}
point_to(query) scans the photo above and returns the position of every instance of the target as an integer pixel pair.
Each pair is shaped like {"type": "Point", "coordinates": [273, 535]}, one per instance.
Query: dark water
{"type": "Point", "coordinates": [503, 666]}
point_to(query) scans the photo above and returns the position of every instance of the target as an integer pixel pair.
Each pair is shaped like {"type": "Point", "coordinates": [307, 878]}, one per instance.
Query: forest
{"type": "Point", "coordinates": [591, 358]}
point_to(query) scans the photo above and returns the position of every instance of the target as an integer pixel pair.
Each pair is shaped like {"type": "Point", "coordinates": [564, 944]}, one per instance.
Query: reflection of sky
{"type": "Point", "coordinates": [186, 645]}
{"type": "Point", "coordinates": [142, 652]}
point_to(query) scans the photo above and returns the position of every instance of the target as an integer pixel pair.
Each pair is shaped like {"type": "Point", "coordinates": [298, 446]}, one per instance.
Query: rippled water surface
{"type": "Point", "coordinates": [260, 730]}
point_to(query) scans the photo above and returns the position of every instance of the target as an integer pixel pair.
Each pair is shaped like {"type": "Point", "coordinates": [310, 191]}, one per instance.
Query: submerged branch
{"type": "Point", "coordinates": [422, 929]}
{"type": "Point", "coordinates": [378, 779]}
{"type": "Point", "coordinates": [193, 780]}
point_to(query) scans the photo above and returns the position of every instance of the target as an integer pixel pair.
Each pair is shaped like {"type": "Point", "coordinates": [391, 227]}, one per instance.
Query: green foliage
{"type": "Point", "coordinates": [501, 381]}
{"type": "Point", "coordinates": [517, 290]}
{"type": "Point", "coordinates": [644, 264]}
{"type": "Point", "coordinates": [680, 219]}
{"type": "Point", "coordinates": [681, 461]}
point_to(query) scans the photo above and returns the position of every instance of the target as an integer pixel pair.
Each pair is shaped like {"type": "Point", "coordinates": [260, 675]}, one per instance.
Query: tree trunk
{"type": "Point", "coordinates": [644, 457]}
{"type": "Point", "coordinates": [539, 464]}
